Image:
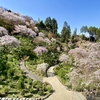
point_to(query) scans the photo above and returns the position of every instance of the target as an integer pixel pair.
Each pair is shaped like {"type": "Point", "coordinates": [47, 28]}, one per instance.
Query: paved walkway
{"type": "Point", "coordinates": [29, 73]}
{"type": "Point", "coordinates": [60, 91]}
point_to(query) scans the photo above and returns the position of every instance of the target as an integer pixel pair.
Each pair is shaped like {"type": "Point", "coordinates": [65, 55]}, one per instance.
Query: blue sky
{"type": "Point", "coordinates": [77, 13]}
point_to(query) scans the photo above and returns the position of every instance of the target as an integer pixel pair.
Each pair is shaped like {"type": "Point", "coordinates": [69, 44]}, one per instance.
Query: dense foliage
{"type": "Point", "coordinates": [65, 33]}
{"type": "Point", "coordinates": [13, 82]}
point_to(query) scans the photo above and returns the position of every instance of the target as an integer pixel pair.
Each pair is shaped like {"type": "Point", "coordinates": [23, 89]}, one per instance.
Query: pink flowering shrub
{"type": "Point", "coordinates": [63, 58]}
{"type": "Point", "coordinates": [41, 34]}
{"type": "Point", "coordinates": [38, 40]}
{"type": "Point", "coordinates": [16, 17]}
{"type": "Point", "coordinates": [47, 41]}
{"type": "Point", "coordinates": [78, 52]}
{"type": "Point", "coordinates": [9, 40]}
{"type": "Point", "coordinates": [12, 16]}
{"type": "Point", "coordinates": [53, 39]}
{"type": "Point", "coordinates": [23, 30]}
{"type": "Point", "coordinates": [40, 50]}
{"type": "Point", "coordinates": [88, 65]}
{"type": "Point", "coordinates": [33, 22]}
{"type": "Point", "coordinates": [29, 20]}
{"type": "Point", "coordinates": [3, 31]}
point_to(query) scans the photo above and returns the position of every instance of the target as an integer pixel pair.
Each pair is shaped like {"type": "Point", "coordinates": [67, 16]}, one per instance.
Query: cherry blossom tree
{"type": "Point", "coordinates": [23, 30]}
{"type": "Point", "coordinates": [9, 40]}
{"type": "Point", "coordinates": [63, 58]}
{"type": "Point", "coordinates": [39, 50]}
{"type": "Point", "coordinates": [3, 31]}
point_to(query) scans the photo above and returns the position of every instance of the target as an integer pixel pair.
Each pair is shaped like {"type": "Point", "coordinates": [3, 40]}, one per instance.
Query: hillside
{"type": "Point", "coordinates": [38, 48]}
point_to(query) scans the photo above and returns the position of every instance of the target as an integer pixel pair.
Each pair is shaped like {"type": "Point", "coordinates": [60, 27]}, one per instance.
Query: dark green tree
{"type": "Point", "coordinates": [48, 23]}
{"type": "Point", "coordinates": [54, 26]}
{"type": "Point", "coordinates": [41, 25]}
{"type": "Point", "coordinates": [92, 30]}
{"type": "Point", "coordinates": [65, 33]}
{"type": "Point", "coordinates": [98, 34]}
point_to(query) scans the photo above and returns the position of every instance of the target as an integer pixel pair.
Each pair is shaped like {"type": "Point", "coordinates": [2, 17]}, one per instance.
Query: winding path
{"type": "Point", "coordinates": [60, 91]}
{"type": "Point", "coordinates": [29, 73]}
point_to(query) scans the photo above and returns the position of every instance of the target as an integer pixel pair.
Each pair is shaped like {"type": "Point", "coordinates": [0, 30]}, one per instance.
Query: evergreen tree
{"type": "Point", "coordinates": [65, 33]}
{"type": "Point", "coordinates": [41, 25]}
{"type": "Point", "coordinates": [74, 34]}
{"type": "Point", "coordinates": [48, 23]}
{"type": "Point", "coordinates": [54, 26]}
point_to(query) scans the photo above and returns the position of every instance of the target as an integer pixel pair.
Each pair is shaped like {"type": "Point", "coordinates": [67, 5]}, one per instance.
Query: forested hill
{"type": "Point", "coordinates": [39, 44]}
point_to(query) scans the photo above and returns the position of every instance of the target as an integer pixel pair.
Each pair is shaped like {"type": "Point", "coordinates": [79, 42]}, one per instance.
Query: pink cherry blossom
{"type": "Point", "coordinates": [23, 30]}
{"type": "Point", "coordinates": [39, 50]}
{"type": "Point", "coordinates": [9, 40]}
{"type": "Point", "coordinates": [3, 31]}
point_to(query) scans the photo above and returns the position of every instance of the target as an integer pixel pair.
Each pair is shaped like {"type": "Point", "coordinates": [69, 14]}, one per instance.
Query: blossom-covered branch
{"type": "Point", "coordinates": [40, 50]}
{"type": "Point", "coordinates": [3, 31]}
{"type": "Point", "coordinates": [9, 40]}
{"type": "Point", "coordinates": [23, 30]}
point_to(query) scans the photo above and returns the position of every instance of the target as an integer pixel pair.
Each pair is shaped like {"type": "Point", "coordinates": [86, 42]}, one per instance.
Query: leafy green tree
{"type": "Point", "coordinates": [92, 30]}
{"type": "Point", "coordinates": [84, 29]}
{"type": "Point", "coordinates": [65, 33]}
{"type": "Point", "coordinates": [98, 34]}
